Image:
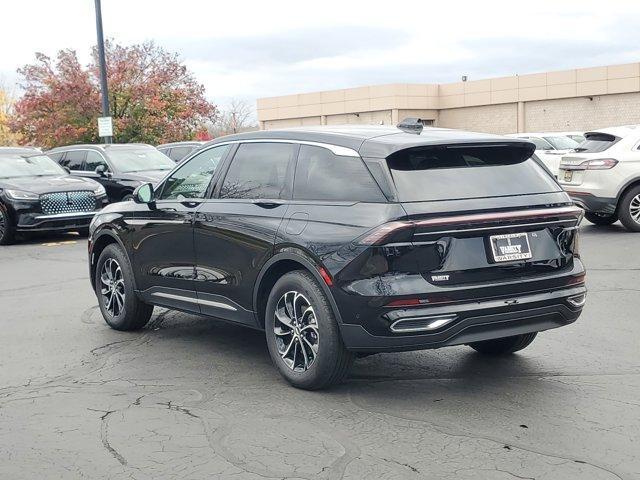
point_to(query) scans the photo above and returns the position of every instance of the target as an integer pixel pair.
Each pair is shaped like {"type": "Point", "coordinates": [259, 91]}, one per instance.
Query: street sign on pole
{"type": "Point", "coordinates": [103, 71]}
{"type": "Point", "coordinates": [105, 127]}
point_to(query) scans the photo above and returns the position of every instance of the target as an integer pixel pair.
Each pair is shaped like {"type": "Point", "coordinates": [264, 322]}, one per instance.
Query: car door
{"type": "Point", "coordinates": [93, 160]}
{"type": "Point", "coordinates": [236, 230]}
{"type": "Point", "coordinates": [163, 243]}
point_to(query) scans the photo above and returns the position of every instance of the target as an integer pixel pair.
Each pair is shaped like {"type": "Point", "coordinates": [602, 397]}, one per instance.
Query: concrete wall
{"type": "Point", "coordinates": [585, 113]}
{"type": "Point", "coordinates": [577, 99]}
{"type": "Point", "coordinates": [488, 118]}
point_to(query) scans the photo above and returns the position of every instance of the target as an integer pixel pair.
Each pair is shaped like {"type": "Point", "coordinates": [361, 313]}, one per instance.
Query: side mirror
{"type": "Point", "coordinates": [144, 194]}
{"type": "Point", "coordinates": [101, 170]}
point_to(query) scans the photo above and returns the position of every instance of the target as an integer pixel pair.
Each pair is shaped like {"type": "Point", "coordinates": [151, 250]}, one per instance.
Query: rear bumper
{"type": "Point", "coordinates": [472, 322]}
{"type": "Point", "coordinates": [592, 203]}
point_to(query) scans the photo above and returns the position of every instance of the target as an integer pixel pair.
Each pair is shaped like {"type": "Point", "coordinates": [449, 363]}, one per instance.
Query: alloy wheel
{"type": "Point", "coordinates": [634, 208]}
{"type": "Point", "coordinates": [112, 287]}
{"type": "Point", "coordinates": [296, 330]}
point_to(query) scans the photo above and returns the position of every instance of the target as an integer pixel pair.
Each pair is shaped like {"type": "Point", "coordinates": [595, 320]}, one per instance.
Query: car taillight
{"type": "Point", "coordinates": [596, 164]}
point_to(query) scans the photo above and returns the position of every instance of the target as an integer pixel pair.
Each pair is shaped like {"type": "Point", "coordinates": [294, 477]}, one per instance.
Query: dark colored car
{"type": "Point", "coordinates": [339, 241]}
{"type": "Point", "coordinates": [178, 151]}
{"type": "Point", "coordinates": [120, 168]}
{"type": "Point", "coordinates": [36, 195]}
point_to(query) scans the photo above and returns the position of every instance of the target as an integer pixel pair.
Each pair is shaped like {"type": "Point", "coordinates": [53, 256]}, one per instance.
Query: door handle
{"type": "Point", "coordinates": [190, 204]}
{"type": "Point", "coordinates": [267, 203]}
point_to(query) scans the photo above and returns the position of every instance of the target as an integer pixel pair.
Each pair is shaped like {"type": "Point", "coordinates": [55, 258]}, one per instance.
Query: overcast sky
{"type": "Point", "coordinates": [248, 49]}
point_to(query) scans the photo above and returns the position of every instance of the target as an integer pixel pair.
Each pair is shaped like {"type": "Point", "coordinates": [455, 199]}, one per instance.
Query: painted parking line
{"type": "Point", "coordinates": [63, 242]}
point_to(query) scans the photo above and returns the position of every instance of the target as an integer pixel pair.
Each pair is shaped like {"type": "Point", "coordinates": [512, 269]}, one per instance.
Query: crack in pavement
{"type": "Point", "coordinates": [445, 431]}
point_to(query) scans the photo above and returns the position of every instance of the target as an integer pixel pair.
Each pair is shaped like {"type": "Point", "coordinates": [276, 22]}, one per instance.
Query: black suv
{"type": "Point", "coordinates": [120, 168]}
{"type": "Point", "coordinates": [36, 194]}
{"type": "Point", "coordinates": [339, 241]}
{"type": "Point", "coordinates": [178, 151]}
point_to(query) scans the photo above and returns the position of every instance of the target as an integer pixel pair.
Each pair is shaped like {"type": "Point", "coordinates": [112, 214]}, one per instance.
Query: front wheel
{"type": "Point", "coordinates": [504, 346]}
{"type": "Point", "coordinates": [629, 209]}
{"type": "Point", "coordinates": [120, 307]}
{"type": "Point", "coordinates": [302, 333]}
{"type": "Point", "coordinates": [7, 229]}
{"type": "Point", "coordinates": [601, 219]}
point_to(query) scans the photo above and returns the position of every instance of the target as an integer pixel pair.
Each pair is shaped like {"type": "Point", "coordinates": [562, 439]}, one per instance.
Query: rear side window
{"type": "Point", "coordinates": [597, 142]}
{"type": "Point", "coordinates": [258, 170]}
{"type": "Point", "coordinates": [322, 175]}
{"type": "Point", "coordinates": [541, 144]}
{"type": "Point", "coordinates": [451, 173]}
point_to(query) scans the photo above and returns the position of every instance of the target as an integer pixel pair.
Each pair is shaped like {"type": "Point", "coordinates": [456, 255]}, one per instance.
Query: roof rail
{"type": "Point", "coordinates": [411, 125]}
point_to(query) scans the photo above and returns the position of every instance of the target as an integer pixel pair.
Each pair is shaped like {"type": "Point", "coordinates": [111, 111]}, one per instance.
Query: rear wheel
{"type": "Point", "coordinates": [120, 307]}
{"type": "Point", "coordinates": [302, 333]}
{"type": "Point", "coordinates": [601, 218]}
{"type": "Point", "coordinates": [504, 346]}
{"type": "Point", "coordinates": [7, 228]}
{"type": "Point", "coordinates": [629, 209]}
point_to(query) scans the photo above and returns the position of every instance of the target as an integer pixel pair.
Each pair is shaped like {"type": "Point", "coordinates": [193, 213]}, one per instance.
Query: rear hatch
{"type": "Point", "coordinates": [589, 155]}
{"type": "Point", "coordinates": [475, 215]}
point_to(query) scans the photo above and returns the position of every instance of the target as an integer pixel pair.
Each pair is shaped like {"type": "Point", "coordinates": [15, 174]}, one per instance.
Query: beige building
{"type": "Point", "coordinates": [579, 99]}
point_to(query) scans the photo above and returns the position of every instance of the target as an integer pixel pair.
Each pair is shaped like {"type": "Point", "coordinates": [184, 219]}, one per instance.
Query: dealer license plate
{"type": "Point", "coordinates": [510, 247]}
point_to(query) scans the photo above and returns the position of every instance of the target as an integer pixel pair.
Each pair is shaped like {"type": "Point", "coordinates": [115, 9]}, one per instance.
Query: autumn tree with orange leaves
{"type": "Point", "coordinates": [153, 98]}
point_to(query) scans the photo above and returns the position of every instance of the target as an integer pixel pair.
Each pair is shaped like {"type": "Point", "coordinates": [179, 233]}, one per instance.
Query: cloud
{"type": "Point", "coordinates": [290, 47]}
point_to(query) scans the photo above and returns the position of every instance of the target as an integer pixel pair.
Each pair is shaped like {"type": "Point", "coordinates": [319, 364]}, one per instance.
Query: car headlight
{"type": "Point", "coordinates": [22, 195]}
{"type": "Point", "coordinates": [99, 191]}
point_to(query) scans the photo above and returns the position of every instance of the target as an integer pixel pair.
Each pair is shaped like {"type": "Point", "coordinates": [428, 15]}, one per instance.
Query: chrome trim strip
{"type": "Point", "coordinates": [146, 222]}
{"type": "Point", "coordinates": [66, 215]}
{"type": "Point", "coordinates": [211, 303]}
{"type": "Point", "coordinates": [182, 298]}
{"type": "Point", "coordinates": [515, 225]}
{"type": "Point", "coordinates": [336, 149]}
{"type": "Point", "coordinates": [435, 322]}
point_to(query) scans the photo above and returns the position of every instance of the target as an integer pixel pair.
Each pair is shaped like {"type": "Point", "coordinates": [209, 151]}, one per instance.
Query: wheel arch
{"type": "Point", "coordinates": [100, 242]}
{"type": "Point", "coordinates": [628, 186]}
{"type": "Point", "coordinates": [279, 265]}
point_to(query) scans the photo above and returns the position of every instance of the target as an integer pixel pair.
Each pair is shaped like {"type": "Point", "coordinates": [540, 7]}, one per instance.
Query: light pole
{"type": "Point", "coordinates": [103, 67]}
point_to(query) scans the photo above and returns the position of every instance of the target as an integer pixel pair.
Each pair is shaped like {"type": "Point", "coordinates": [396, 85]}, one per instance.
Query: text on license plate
{"type": "Point", "coordinates": [510, 247]}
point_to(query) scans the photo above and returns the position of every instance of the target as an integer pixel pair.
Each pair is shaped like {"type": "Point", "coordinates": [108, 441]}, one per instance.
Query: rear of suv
{"type": "Point", "coordinates": [349, 240]}
{"type": "Point", "coordinates": [602, 175]}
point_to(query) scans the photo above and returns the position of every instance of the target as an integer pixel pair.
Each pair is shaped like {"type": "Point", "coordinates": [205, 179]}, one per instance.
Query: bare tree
{"type": "Point", "coordinates": [237, 117]}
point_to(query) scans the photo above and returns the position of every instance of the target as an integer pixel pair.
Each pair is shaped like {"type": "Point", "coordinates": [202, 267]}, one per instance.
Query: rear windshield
{"type": "Point", "coordinates": [596, 142]}
{"type": "Point", "coordinates": [450, 173]}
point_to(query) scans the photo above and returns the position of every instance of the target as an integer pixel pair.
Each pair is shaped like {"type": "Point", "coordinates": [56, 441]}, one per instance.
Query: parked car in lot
{"type": "Point", "coordinates": [549, 147]}
{"type": "Point", "coordinates": [602, 175]}
{"type": "Point", "coordinates": [178, 151]}
{"type": "Point", "coordinates": [345, 240]}
{"type": "Point", "coordinates": [577, 137]}
{"type": "Point", "coordinates": [36, 194]}
{"type": "Point", "coordinates": [120, 168]}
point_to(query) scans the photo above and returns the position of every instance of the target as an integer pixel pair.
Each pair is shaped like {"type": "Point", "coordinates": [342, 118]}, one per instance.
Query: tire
{"type": "Point", "coordinates": [601, 219]}
{"type": "Point", "coordinates": [7, 228]}
{"type": "Point", "coordinates": [316, 328]}
{"type": "Point", "coordinates": [504, 346]}
{"type": "Point", "coordinates": [124, 311]}
{"type": "Point", "coordinates": [629, 209]}
{"type": "Point", "coordinates": [127, 198]}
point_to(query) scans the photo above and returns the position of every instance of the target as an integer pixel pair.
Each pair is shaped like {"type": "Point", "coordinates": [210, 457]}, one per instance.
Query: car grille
{"type": "Point", "coordinates": [67, 202]}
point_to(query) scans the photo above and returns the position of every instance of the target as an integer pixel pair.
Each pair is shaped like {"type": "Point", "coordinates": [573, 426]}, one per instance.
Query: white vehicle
{"type": "Point", "coordinates": [549, 147]}
{"type": "Point", "coordinates": [576, 136]}
{"type": "Point", "coordinates": [602, 176]}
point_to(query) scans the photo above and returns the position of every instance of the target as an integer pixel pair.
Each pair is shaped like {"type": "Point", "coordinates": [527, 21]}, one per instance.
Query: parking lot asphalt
{"type": "Point", "coordinates": [189, 397]}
